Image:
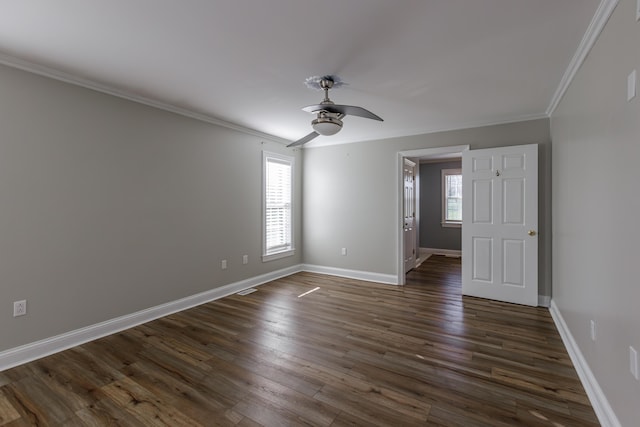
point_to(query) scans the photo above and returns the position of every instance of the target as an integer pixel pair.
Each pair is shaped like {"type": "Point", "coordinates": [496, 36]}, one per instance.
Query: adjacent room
{"type": "Point", "coordinates": [354, 212]}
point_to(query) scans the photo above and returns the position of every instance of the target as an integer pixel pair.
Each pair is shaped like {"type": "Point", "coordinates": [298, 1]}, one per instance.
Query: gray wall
{"type": "Point", "coordinates": [108, 207]}
{"type": "Point", "coordinates": [432, 233]}
{"type": "Point", "coordinates": [350, 195]}
{"type": "Point", "coordinates": [596, 150]}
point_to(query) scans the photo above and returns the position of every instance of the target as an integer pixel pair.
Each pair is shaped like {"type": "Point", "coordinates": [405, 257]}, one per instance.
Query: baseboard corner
{"type": "Point", "coordinates": [544, 301]}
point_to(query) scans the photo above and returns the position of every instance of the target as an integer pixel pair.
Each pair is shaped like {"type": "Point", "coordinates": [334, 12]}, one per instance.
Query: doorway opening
{"type": "Point", "coordinates": [440, 154]}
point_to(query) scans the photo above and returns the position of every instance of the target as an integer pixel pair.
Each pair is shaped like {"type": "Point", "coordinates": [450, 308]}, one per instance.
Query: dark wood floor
{"type": "Point", "coordinates": [350, 353]}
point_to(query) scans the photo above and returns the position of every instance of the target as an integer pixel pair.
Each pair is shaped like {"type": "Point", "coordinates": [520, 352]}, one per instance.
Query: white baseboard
{"type": "Point", "coordinates": [445, 252]}
{"type": "Point", "coordinates": [601, 406]}
{"type": "Point", "coordinates": [390, 279]}
{"type": "Point", "coordinates": [36, 350]}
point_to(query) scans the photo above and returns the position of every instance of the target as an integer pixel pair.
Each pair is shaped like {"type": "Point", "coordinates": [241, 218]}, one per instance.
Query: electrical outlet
{"type": "Point", "coordinates": [19, 308]}
{"type": "Point", "coordinates": [245, 259]}
{"type": "Point", "coordinates": [593, 330]}
{"type": "Point", "coordinates": [223, 264]}
{"type": "Point", "coordinates": [633, 363]}
{"type": "Point", "coordinates": [344, 251]}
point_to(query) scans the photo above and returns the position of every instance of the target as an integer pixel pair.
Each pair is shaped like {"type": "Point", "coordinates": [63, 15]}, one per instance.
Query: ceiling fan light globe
{"type": "Point", "coordinates": [327, 126]}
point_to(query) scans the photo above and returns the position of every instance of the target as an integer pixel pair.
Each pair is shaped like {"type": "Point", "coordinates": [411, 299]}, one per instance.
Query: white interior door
{"type": "Point", "coordinates": [500, 224]}
{"type": "Point", "coordinates": [410, 236]}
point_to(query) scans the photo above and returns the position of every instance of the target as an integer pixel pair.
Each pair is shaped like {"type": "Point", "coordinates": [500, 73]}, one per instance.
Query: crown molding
{"type": "Point", "coordinates": [602, 15]}
{"type": "Point", "coordinates": [52, 73]}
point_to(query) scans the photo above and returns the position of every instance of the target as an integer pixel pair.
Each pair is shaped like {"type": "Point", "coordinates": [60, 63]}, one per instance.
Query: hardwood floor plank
{"type": "Point", "coordinates": [364, 408]}
{"type": "Point", "coordinates": [345, 419]}
{"type": "Point", "coordinates": [36, 403]}
{"type": "Point", "coordinates": [351, 353]}
{"type": "Point", "coordinates": [279, 367]}
{"type": "Point", "coordinates": [536, 381]}
{"type": "Point", "coordinates": [144, 405]}
{"type": "Point", "coordinates": [352, 384]}
{"type": "Point", "coordinates": [107, 413]}
{"type": "Point", "coordinates": [7, 412]}
{"type": "Point", "coordinates": [309, 410]}
{"type": "Point", "coordinates": [196, 402]}
{"type": "Point", "coordinates": [532, 415]}
{"type": "Point", "coordinates": [265, 413]}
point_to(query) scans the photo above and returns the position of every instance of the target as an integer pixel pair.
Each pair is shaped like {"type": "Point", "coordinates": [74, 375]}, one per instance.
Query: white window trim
{"type": "Point", "coordinates": [290, 250]}
{"type": "Point", "coordinates": [444, 222]}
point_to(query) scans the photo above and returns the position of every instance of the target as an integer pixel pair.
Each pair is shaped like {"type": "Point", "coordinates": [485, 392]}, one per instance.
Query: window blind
{"type": "Point", "coordinates": [277, 205]}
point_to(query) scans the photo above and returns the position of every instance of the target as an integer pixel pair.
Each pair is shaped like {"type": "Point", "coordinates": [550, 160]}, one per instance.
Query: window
{"type": "Point", "coordinates": [277, 206]}
{"type": "Point", "coordinates": [451, 197]}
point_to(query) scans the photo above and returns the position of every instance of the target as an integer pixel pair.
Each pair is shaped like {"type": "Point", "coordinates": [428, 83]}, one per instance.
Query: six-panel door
{"type": "Point", "coordinates": [500, 223]}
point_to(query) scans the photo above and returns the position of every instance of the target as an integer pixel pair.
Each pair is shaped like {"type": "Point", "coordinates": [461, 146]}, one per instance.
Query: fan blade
{"type": "Point", "coordinates": [342, 109]}
{"type": "Point", "coordinates": [304, 139]}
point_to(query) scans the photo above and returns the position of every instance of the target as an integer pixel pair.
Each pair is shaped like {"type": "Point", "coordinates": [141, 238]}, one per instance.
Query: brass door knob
{"type": "Point", "coordinates": [532, 233]}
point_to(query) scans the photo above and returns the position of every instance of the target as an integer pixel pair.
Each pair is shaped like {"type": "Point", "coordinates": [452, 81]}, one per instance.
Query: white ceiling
{"type": "Point", "coordinates": [422, 65]}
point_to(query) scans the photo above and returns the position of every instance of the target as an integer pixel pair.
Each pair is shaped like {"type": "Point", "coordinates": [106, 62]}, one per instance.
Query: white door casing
{"type": "Point", "coordinates": [500, 224]}
{"type": "Point", "coordinates": [409, 215]}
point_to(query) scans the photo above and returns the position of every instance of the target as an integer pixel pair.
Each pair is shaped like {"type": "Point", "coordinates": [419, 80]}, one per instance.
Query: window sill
{"type": "Point", "coordinates": [278, 255]}
{"type": "Point", "coordinates": [452, 224]}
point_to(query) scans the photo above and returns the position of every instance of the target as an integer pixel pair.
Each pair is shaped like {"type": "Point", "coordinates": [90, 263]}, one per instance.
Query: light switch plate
{"type": "Point", "coordinates": [631, 85]}
{"type": "Point", "coordinates": [638, 10]}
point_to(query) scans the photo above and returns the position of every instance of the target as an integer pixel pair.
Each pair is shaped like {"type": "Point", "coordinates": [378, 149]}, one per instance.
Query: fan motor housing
{"type": "Point", "coordinates": [326, 124]}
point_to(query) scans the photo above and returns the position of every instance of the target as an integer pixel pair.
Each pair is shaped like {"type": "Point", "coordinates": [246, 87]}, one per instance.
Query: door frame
{"type": "Point", "coordinates": [399, 220]}
{"type": "Point", "coordinates": [415, 211]}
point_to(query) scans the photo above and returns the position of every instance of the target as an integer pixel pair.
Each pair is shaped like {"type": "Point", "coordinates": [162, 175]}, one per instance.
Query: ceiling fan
{"type": "Point", "coordinates": [329, 115]}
